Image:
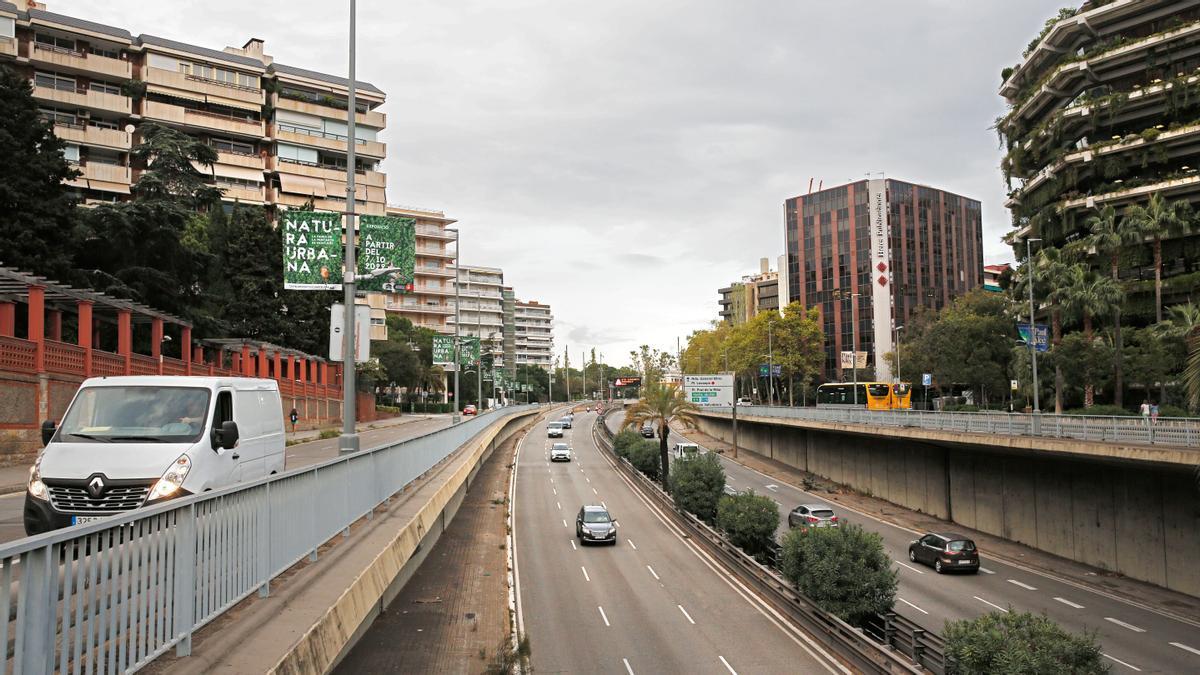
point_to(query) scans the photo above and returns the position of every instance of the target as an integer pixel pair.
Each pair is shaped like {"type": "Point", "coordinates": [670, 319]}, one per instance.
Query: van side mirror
{"type": "Point", "coordinates": [226, 437]}
{"type": "Point", "coordinates": [48, 429]}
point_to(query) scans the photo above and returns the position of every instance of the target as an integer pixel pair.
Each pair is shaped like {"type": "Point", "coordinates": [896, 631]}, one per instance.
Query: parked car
{"type": "Point", "coordinates": [554, 430]}
{"type": "Point", "coordinates": [469, 410]}
{"type": "Point", "coordinates": [566, 421]}
{"type": "Point", "coordinates": [744, 401]}
{"type": "Point", "coordinates": [595, 524]}
{"type": "Point", "coordinates": [560, 452]}
{"type": "Point", "coordinates": [127, 442]}
{"type": "Point", "coordinates": [647, 430]}
{"type": "Point", "coordinates": [812, 515]}
{"type": "Point", "coordinates": [945, 551]}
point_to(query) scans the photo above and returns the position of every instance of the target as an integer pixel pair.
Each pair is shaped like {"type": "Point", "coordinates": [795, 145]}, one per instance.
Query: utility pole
{"type": "Point", "coordinates": [583, 364]}
{"type": "Point", "coordinates": [479, 356]}
{"type": "Point", "coordinates": [348, 442]}
{"type": "Point", "coordinates": [770, 365]}
{"type": "Point", "coordinates": [454, 419]}
{"type": "Point", "coordinates": [567, 370]}
{"type": "Point", "coordinates": [735, 404]}
{"type": "Point", "coordinates": [1032, 328]}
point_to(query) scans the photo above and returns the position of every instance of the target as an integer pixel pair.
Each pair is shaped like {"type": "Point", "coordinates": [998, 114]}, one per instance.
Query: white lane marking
{"type": "Point", "coordinates": [564, 522]}
{"type": "Point", "coordinates": [585, 574]}
{"type": "Point", "coordinates": [1122, 624]}
{"type": "Point", "coordinates": [990, 603]}
{"type": "Point", "coordinates": [604, 616]}
{"type": "Point", "coordinates": [729, 667]}
{"type": "Point", "coordinates": [1186, 648]}
{"type": "Point", "coordinates": [773, 487]}
{"type": "Point", "coordinates": [632, 544]}
{"type": "Point", "coordinates": [603, 504]}
{"type": "Point", "coordinates": [986, 570]}
{"type": "Point", "coordinates": [1127, 665]}
{"type": "Point", "coordinates": [1027, 587]}
{"type": "Point", "coordinates": [911, 605]}
{"type": "Point", "coordinates": [558, 505]}
{"type": "Point", "coordinates": [628, 669]}
{"type": "Point", "coordinates": [587, 479]}
{"type": "Point", "coordinates": [908, 566]}
{"type": "Point", "coordinates": [573, 545]}
{"type": "Point", "coordinates": [555, 491]}
{"type": "Point", "coordinates": [685, 614]}
{"type": "Point", "coordinates": [594, 491]}
{"type": "Point", "coordinates": [653, 573]}
{"type": "Point", "coordinates": [1068, 603]}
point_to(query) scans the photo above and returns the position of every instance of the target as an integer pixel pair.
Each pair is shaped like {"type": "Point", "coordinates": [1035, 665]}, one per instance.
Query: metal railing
{"type": "Point", "coordinates": [111, 596]}
{"type": "Point", "coordinates": [1171, 431]}
{"type": "Point", "coordinates": [859, 647]}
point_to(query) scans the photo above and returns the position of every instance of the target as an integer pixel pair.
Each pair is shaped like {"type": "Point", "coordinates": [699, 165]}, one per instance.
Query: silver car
{"type": "Point", "coordinates": [595, 524]}
{"type": "Point", "coordinates": [554, 430]}
{"type": "Point", "coordinates": [812, 515]}
{"type": "Point", "coordinates": [560, 452]}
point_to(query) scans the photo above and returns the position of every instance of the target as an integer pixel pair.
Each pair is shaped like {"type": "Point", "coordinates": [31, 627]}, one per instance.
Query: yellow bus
{"type": "Point", "coordinates": [871, 395]}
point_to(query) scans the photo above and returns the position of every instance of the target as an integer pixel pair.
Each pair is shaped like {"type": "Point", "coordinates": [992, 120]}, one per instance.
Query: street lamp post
{"type": "Point", "coordinates": [1032, 330]}
{"type": "Point", "coordinates": [841, 295]}
{"type": "Point", "coordinates": [896, 341]}
{"type": "Point", "coordinates": [770, 365]}
{"type": "Point", "coordinates": [348, 442]}
{"type": "Point", "coordinates": [735, 403]}
{"type": "Point", "coordinates": [454, 418]}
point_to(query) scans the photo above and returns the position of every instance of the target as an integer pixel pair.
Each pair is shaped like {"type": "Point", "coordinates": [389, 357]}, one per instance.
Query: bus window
{"type": "Point", "coordinates": [901, 389]}
{"type": "Point", "coordinates": [878, 389]}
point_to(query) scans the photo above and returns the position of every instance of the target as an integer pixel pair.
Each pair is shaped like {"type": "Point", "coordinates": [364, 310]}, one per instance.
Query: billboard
{"type": "Point", "coordinates": [1042, 340]}
{"type": "Point", "coordinates": [443, 350]}
{"type": "Point", "coordinates": [386, 242]}
{"type": "Point", "coordinates": [708, 390]}
{"type": "Point", "coordinates": [312, 251]}
{"type": "Point", "coordinates": [627, 382]}
{"type": "Point", "coordinates": [853, 360]}
{"type": "Point", "coordinates": [362, 332]}
{"type": "Point", "coordinates": [881, 286]}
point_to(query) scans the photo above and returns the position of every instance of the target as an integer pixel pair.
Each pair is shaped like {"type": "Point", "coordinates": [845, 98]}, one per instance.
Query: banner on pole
{"type": "Point", "coordinates": [468, 350]}
{"type": "Point", "coordinates": [848, 359]}
{"type": "Point", "coordinates": [312, 251]}
{"type": "Point", "coordinates": [443, 350]}
{"type": "Point", "coordinates": [386, 242]}
{"type": "Point", "coordinates": [1041, 341]}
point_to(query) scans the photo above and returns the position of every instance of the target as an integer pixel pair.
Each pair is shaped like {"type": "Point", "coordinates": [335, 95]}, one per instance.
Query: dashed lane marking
{"type": "Point", "coordinates": [1068, 603]}
{"type": "Point", "coordinates": [1122, 624]}
{"type": "Point", "coordinates": [991, 604]}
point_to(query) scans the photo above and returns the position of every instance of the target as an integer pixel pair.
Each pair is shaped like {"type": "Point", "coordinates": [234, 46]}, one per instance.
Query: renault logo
{"type": "Point", "coordinates": [95, 486]}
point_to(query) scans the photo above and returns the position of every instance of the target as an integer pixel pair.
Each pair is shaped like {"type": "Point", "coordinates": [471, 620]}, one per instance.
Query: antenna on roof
{"type": "Point", "coordinates": [810, 182]}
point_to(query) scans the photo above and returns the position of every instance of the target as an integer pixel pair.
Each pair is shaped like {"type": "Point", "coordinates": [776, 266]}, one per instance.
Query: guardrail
{"type": "Point", "coordinates": [113, 595]}
{"type": "Point", "coordinates": [1172, 431]}
{"type": "Point", "coordinates": [866, 652]}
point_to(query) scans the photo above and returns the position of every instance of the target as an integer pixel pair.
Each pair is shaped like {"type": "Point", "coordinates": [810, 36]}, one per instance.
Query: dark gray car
{"type": "Point", "coordinates": [595, 524]}
{"type": "Point", "coordinates": [946, 552]}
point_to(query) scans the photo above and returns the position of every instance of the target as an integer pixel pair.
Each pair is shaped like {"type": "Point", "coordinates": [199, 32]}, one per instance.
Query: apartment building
{"type": "Point", "coordinates": [742, 300]}
{"type": "Point", "coordinates": [430, 303]}
{"type": "Point", "coordinates": [280, 131]}
{"type": "Point", "coordinates": [534, 325]}
{"type": "Point", "coordinates": [481, 308]}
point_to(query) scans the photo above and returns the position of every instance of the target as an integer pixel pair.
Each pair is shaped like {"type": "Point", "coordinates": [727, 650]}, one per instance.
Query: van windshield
{"type": "Point", "coordinates": [135, 414]}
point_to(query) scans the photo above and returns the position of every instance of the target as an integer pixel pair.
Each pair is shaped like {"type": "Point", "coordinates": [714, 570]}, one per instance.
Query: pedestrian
{"type": "Point", "coordinates": [294, 416]}
{"type": "Point", "coordinates": [1153, 413]}
{"type": "Point", "coordinates": [1145, 410]}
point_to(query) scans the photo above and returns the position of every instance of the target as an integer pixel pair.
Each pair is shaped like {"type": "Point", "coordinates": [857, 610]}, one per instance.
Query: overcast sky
{"type": "Point", "coordinates": [622, 160]}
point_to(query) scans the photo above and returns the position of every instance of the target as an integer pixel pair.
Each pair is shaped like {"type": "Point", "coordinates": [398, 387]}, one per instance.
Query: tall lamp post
{"type": "Point", "coordinates": [1032, 329]}
{"type": "Point", "coordinates": [348, 442]}
{"type": "Point", "coordinates": [842, 295]}
{"type": "Point", "coordinates": [454, 418]}
{"type": "Point", "coordinates": [735, 403]}
{"type": "Point", "coordinates": [896, 341]}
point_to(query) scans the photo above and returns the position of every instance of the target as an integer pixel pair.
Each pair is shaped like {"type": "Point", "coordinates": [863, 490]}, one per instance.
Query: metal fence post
{"type": "Point", "coordinates": [889, 629]}
{"type": "Point", "coordinates": [263, 545]}
{"type": "Point", "coordinates": [36, 649]}
{"type": "Point", "coordinates": [918, 648]}
{"type": "Point", "coordinates": [185, 579]}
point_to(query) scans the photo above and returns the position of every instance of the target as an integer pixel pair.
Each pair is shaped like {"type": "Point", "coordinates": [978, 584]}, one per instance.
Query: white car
{"type": "Point", "coordinates": [554, 430]}
{"type": "Point", "coordinates": [560, 452]}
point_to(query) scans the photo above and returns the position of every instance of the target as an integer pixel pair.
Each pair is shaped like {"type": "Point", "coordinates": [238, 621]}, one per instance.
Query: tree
{"type": "Point", "coordinates": [169, 157]}
{"type": "Point", "coordinates": [38, 222]}
{"type": "Point", "coordinates": [750, 520]}
{"type": "Point", "coordinates": [1109, 236]}
{"type": "Point", "coordinates": [1050, 273]}
{"type": "Point", "coordinates": [1158, 220]}
{"type": "Point", "coordinates": [660, 405]}
{"type": "Point", "coordinates": [845, 570]}
{"type": "Point", "coordinates": [1151, 356]}
{"type": "Point", "coordinates": [1020, 643]}
{"type": "Point", "coordinates": [651, 364]}
{"type": "Point", "coordinates": [643, 456]}
{"type": "Point", "coordinates": [697, 485]}
{"type": "Point", "coordinates": [624, 440]}
{"type": "Point", "coordinates": [1089, 295]}
{"type": "Point", "coordinates": [1086, 362]}
{"type": "Point", "coordinates": [248, 280]}
{"type": "Point", "coordinates": [799, 345]}
{"type": "Point", "coordinates": [1184, 323]}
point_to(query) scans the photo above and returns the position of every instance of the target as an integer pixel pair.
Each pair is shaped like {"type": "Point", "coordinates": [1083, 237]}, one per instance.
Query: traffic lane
{"type": "Point", "coordinates": [706, 608]}
{"type": "Point", "coordinates": [931, 599]}
{"type": "Point", "coordinates": [647, 585]}
{"type": "Point", "coordinates": [12, 506]}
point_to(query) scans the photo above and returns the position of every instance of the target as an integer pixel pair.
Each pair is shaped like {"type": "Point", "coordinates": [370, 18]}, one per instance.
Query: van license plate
{"type": "Point", "coordinates": [84, 520]}
{"type": "Point", "coordinates": [964, 562]}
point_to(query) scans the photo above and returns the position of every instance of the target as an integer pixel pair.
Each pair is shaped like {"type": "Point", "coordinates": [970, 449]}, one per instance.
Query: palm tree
{"type": "Point", "coordinates": [1110, 235]}
{"type": "Point", "coordinates": [660, 405]}
{"type": "Point", "coordinates": [1089, 295]}
{"type": "Point", "coordinates": [1156, 221]}
{"type": "Point", "coordinates": [1184, 321]}
{"type": "Point", "coordinates": [1051, 272]}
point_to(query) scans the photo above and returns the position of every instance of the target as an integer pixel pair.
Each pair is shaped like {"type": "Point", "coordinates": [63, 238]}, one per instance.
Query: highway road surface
{"type": "Point", "coordinates": [301, 454]}
{"type": "Point", "coordinates": [1134, 638]}
{"type": "Point", "coordinates": [651, 604]}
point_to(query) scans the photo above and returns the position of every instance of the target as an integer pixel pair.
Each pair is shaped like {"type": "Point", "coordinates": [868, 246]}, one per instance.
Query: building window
{"type": "Point", "coordinates": [71, 152]}
{"type": "Point", "coordinates": [54, 81]}
{"type": "Point", "coordinates": [105, 88]}
{"type": "Point", "coordinates": [8, 27]}
{"type": "Point", "coordinates": [232, 147]}
{"type": "Point", "coordinates": [106, 53]}
{"type": "Point", "coordinates": [54, 42]}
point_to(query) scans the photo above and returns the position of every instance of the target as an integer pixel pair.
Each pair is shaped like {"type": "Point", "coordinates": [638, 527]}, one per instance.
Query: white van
{"type": "Point", "coordinates": [126, 442]}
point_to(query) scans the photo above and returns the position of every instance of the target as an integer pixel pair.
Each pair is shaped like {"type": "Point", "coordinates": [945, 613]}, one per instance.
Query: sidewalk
{"type": "Point", "coordinates": [1070, 571]}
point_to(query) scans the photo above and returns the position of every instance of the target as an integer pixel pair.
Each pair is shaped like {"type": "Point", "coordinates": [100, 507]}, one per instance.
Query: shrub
{"type": "Point", "coordinates": [644, 457]}
{"type": "Point", "coordinates": [1100, 410]}
{"type": "Point", "coordinates": [1019, 643]}
{"type": "Point", "coordinates": [329, 433]}
{"type": "Point", "coordinates": [697, 484]}
{"type": "Point", "coordinates": [750, 520]}
{"type": "Point", "coordinates": [844, 570]}
{"type": "Point", "coordinates": [623, 441]}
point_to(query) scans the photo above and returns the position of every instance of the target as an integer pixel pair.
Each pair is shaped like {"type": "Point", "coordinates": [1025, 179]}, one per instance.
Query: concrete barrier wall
{"type": "Point", "coordinates": [1140, 521]}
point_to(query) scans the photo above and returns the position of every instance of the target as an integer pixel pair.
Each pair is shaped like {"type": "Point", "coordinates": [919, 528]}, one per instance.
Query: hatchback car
{"type": "Point", "coordinates": [560, 452]}
{"type": "Point", "coordinates": [595, 524]}
{"type": "Point", "coordinates": [469, 410]}
{"type": "Point", "coordinates": [946, 552]}
{"type": "Point", "coordinates": [647, 431]}
{"type": "Point", "coordinates": [812, 515]}
{"type": "Point", "coordinates": [566, 422]}
{"type": "Point", "coordinates": [554, 430]}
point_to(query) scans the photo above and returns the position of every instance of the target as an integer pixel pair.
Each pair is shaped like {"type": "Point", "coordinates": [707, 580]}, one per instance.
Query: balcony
{"type": "Point", "coordinates": [327, 141]}
{"type": "Point", "coordinates": [108, 173]}
{"type": "Point", "coordinates": [200, 85]}
{"type": "Point", "coordinates": [70, 59]}
{"type": "Point", "coordinates": [434, 271]}
{"type": "Point", "coordinates": [166, 112]}
{"type": "Point", "coordinates": [242, 193]}
{"type": "Point", "coordinates": [238, 159]}
{"type": "Point", "coordinates": [331, 205]}
{"type": "Point", "coordinates": [80, 97]}
{"type": "Point", "coordinates": [434, 232]}
{"type": "Point", "coordinates": [422, 309]}
{"type": "Point", "coordinates": [94, 136]}
{"type": "Point", "coordinates": [373, 118]}
{"type": "Point", "coordinates": [8, 46]}
{"type": "Point", "coordinates": [432, 290]}
{"type": "Point", "coordinates": [435, 252]}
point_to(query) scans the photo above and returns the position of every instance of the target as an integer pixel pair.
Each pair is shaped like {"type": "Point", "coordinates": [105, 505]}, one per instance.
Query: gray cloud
{"type": "Point", "coordinates": [623, 160]}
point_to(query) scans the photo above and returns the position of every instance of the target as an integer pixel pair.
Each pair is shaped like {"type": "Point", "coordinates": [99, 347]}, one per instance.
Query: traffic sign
{"type": "Point", "coordinates": [926, 379]}
{"type": "Point", "coordinates": [762, 370]}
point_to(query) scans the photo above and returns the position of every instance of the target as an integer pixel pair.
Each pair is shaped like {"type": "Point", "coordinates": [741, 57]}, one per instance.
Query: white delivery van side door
{"type": "Point", "coordinates": [249, 407]}
{"type": "Point", "coordinates": [226, 469]}
{"type": "Point", "coordinates": [274, 440]}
